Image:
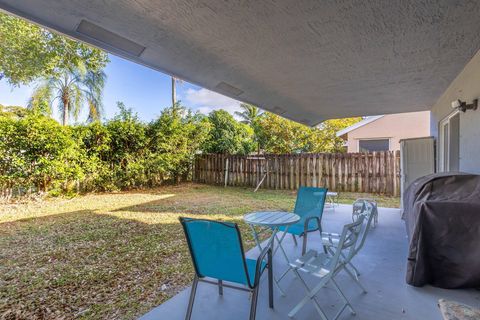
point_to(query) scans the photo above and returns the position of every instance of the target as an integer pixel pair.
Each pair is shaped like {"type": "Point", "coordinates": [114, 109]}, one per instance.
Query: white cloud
{"type": "Point", "coordinates": [206, 101]}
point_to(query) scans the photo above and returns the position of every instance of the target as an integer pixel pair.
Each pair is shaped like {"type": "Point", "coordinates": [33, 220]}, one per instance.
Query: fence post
{"type": "Point", "coordinates": [226, 172]}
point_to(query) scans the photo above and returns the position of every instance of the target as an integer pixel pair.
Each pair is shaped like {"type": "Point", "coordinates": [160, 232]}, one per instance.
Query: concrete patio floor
{"type": "Point", "coordinates": [382, 265]}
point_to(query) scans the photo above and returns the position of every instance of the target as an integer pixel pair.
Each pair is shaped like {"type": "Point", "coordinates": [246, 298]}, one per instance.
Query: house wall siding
{"type": "Point", "coordinates": [392, 126]}
{"type": "Point", "coordinates": [465, 87]}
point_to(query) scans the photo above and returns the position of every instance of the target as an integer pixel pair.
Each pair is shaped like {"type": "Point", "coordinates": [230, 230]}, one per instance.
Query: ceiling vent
{"type": "Point", "coordinates": [228, 89]}
{"type": "Point", "coordinates": [109, 38]}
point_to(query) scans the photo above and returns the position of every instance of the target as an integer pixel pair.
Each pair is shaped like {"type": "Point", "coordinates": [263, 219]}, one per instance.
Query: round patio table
{"type": "Point", "coordinates": [271, 220]}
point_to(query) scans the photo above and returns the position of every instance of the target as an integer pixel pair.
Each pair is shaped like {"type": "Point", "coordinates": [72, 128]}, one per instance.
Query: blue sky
{"type": "Point", "coordinates": [145, 90]}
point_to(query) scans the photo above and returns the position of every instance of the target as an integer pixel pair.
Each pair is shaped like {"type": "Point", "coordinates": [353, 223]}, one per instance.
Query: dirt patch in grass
{"type": "Point", "coordinates": [116, 255]}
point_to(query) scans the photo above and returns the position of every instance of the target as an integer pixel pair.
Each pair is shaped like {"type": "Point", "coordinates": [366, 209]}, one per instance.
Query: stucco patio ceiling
{"type": "Point", "coordinates": [306, 60]}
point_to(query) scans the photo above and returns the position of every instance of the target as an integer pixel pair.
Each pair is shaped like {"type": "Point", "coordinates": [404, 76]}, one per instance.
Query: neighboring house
{"type": "Point", "coordinates": [382, 133]}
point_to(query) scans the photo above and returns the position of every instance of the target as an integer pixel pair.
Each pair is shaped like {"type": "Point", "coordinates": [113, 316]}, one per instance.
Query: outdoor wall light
{"type": "Point", "coordinates": [463, 106]}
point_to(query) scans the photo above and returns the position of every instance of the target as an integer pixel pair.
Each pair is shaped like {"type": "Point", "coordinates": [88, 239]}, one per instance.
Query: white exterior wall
{"type": "Point", "coordinates": [465, 87]}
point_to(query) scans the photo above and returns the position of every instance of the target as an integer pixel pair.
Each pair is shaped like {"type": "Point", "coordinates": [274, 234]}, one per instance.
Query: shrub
{"type": "Point", "coordinates": [175, 138]}
{"type": "Point", "coordinates": [229, 136]}
{"type": "Point", "coordinates": [38, 154]}
{"type": "Point", "coordinates": [94, 142]}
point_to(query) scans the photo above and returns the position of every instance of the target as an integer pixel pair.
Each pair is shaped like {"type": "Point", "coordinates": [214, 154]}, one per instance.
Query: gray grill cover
{"type": "Point", "coordinates": [442, 216]}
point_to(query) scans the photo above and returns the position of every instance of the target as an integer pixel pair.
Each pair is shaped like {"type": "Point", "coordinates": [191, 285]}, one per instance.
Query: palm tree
{"type": "Point", "coordinates": [40, 100]}
{"type": "Point", "coordinates": [72, 89]}
{"type": "Point", "coordinates": [94, 83]}
{"type": "Point", "coordinates": [250, 114]}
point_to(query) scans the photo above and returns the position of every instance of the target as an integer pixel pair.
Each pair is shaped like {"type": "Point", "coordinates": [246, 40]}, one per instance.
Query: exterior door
{"type": "Point", "coordinates": [449, 144]}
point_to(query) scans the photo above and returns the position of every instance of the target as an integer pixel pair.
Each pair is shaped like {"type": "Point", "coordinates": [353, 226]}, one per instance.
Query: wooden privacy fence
{"type": "Point", "coordinates": [376, 172]}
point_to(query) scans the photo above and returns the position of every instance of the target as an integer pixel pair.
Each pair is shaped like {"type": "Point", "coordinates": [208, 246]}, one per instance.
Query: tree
{"type": "Point", "coordinates": [227, 135]}
{"type": "Point", "coordinates": [325, 136]}
{"type": "Point", "coordinates": [94, 82]}
{"type": "Point", "coordinates": [175, 137]}
{"type": "Point", "coordinates": [127, 148]}
{"type": "Point", "coordinates": [252, 116]}
{"type": "Point", "coordinates": [281, 135]}
{"type": "Point", "coordinates": [29, 52]}
{"type": "Point", "coordinates": [93, 140]}
{"type": "Point", "coordinates": [40, 100]}
{"type": "Point", "coordinates": [71, 91]}
{"type": "Point", "coordinates": [128, 137]}
{"type": "Point", "coordinates": [15, 112]}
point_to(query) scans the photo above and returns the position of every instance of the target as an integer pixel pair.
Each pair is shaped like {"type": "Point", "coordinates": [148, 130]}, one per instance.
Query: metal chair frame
{"type": "Point", "coordinates": [360, 209]}
{"type": "Point", "coordinates": [326, 267]}
{"type": "Point", "coordinates": [304, 246]}
{"type": "Point", "coordinates": [306, 223]}
{"type": "Point", "coordinates": [252, 289]}
{"type": "Point", "coordinates": [317, 218]}
{"type": "Point", "coordinates": [329, 240]}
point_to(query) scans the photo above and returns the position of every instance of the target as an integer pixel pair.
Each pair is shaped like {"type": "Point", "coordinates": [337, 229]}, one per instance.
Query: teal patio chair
{"type": "Point", "coordinates": [217, 253]}
{"type": "Point", "coordinates": [309, 206]}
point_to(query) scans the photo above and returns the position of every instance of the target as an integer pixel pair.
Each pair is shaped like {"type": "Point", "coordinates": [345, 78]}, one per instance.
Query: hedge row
{"type": "Point", "coordinates": [37, 154]}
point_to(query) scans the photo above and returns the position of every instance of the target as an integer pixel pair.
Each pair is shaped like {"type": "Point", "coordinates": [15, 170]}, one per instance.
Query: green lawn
{"type": "Point", "coordinates": [116, 255]}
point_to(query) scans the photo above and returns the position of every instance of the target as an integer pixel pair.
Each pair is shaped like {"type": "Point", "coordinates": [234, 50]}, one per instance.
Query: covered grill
{"type": "Point", "coordinates": [442, 217]}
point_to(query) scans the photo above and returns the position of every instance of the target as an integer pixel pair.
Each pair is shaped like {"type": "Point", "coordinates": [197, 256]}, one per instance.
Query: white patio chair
{"type": "Point", "coordinates": [359, 207]}
{"type": "Point", "coordinates": [331, 240]}
{"type": "Point", "coordinates": [326, 266]}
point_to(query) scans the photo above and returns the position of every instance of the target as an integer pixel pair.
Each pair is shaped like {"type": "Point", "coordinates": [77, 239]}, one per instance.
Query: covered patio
{"type": "Point", "coordinates": [308, 61]}
{"type": "Point", "coordinates": [382, 264]}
